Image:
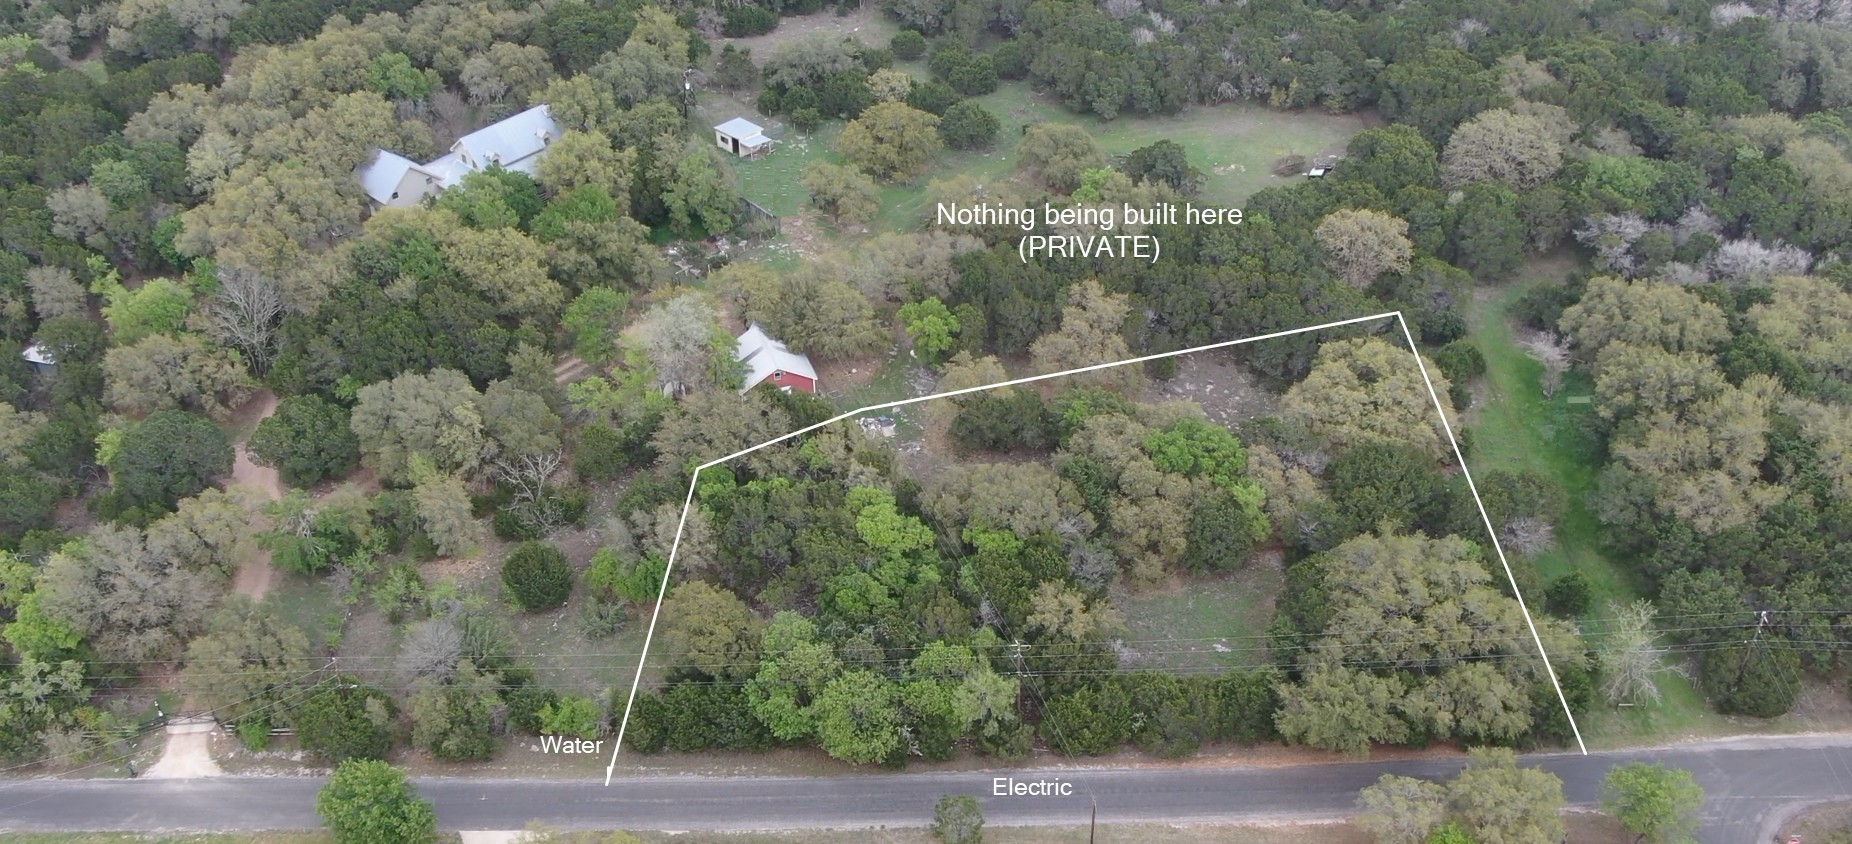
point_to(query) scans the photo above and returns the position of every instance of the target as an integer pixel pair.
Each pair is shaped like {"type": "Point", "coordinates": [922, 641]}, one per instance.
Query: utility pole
{"type": "Point", "coordinates": [1093, 825]}
{"type": "Point", "coordinates": [1761, 622]}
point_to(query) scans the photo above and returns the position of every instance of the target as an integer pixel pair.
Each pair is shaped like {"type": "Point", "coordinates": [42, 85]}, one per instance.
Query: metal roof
{"type": "Point", "coordinates": [739, 127]}
{"type": "Point", "coordinates": [381, 176]}
{"type": "Point", "coordinates": [511, 140]}
{"type": "Point", "coordinates": [764, 356]}
{"type": "Point", "coordinates": [514, 143]}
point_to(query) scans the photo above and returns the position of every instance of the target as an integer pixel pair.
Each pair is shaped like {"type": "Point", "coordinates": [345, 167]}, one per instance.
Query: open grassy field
{"type": "Point", "coordinates": [566, 660]}
{"type": "Point", "coordinates": [1203, 623]}
{"type": "Point", "coordinates": [310, 604]}
{"type": "Point", "coordinates": [1235, 145]}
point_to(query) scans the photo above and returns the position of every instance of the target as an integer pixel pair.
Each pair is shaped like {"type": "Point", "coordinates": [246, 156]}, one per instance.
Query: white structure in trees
{"type": "Point", "coordinates": [394, 181]}
{"type": "Point", "coordinates": [742, 137]}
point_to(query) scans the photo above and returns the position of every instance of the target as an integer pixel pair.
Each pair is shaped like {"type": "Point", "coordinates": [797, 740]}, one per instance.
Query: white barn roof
{"type": "Point", "coordinates": [764, 356]}
{"type": "Point", "coordinates": [381, 176]}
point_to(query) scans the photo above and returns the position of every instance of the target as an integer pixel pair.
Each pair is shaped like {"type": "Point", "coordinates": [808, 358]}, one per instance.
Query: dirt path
{"type": "Point", "coordinates": [188, 753]}
{"type": "Point", "coordinates": [255, 576]}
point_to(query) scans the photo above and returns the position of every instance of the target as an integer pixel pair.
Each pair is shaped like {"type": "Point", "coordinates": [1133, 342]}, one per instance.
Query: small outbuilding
{"type": "Point", "coordinates": [742, 137]}
{"type": "Point", "coordinates": [768, 361]}
{"type": "Point", "coordinates": [40, 360]}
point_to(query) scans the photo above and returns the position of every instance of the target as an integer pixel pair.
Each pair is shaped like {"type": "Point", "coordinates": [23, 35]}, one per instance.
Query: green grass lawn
{"type": "Point", "coordinates": [1202, 623]}
{"type": "Point", "coordinates": [1518, 429]}
{"type": "Point", "coordinates": [310, 604]}
{"type": "Point", "coordinates": [566, 660]}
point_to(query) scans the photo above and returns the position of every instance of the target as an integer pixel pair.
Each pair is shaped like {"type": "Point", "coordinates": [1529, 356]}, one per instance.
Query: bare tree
{"type": "Point", "coordinates": [1549, 350]}
{"type": "Point", "coordinates": [1747, 262]}
{"type": "Point", "coordinates": [528, 476]}
{"type": "Point", "coordinates": [1630, 656]}
{"type": "Point", "coordinates": [1529, 535]}
{"type": "Point", "coordinates": [1612, 237]}
{"type": "Point", "coordinates": [432, 648]}
{"type": "Point", "coordinates": [245, 313]}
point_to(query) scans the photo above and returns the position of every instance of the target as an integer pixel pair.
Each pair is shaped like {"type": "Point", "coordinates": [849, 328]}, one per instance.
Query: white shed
{"type": "Point", "coordinates": [40, 359]}
{"type": "Point", "coordinates": [742, 137]}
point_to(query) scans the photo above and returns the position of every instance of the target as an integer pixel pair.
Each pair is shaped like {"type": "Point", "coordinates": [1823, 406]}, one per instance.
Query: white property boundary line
{"type": "Point", "coordinates": [1446, 425]}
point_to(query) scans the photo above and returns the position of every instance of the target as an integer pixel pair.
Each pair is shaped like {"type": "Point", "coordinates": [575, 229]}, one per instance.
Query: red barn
{"type": "Point", "coordinates": [769, 362]}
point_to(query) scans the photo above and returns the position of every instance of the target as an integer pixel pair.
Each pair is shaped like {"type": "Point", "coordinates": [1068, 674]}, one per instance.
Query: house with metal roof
{"type": "Point", "coordinates": [394, 181]}
{"type": "Point", "coordinates": [742, 137]}
{"type": "Point", "coordinates": [769, 361]}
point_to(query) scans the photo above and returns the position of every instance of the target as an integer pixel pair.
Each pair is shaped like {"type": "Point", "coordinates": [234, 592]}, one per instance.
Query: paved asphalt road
{"type": "Point", "coordinates": [1751, 783]}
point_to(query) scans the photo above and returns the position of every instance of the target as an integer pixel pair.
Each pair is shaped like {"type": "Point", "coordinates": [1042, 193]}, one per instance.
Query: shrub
{"type": "Point", "coordinates": [1093, 719]}
{"type": "Point", "coordinates": [525, 703]}
{"type": "Point", "coordinates": [932, 97]}
{"type": "Point", "coordinates": [770, 101]}
{"type": "Point", "coordinates": [599, 619]}
{"type": "Point", "coordinates": [538, 576]}
{"type": "Point", "coordinates": [957, 819]}
{"type": "Point", "coordinates": [306, 440]}
{"type": "Point", "coordinates": [345, 721]}
{"type": "Point", "coordinates": [1756, 680]}
{"type": "Point", "coordinates": [371, 802]}
{"type": "Point", "coordinates": [1568, 596]}
{"type": "Point", "coordinates": [747, 21]}
{"type": "Point", "coordinates": [509, 525]}
{"type": "Point", "coordinates": [453, 723]}
{"type": "Point", "coordinates": [974, 78]}
{"type": "Point", "coordinates": [603, 453]}
{"type": "Point", "coordinates": [636, 581]}
{"type": "Point", "coordinates": [254, 732]}
{"type": "Point", "coordinates": [571, 716]}
{"type": "Point", "coordinates": [907, 45]}
{"type": "Point", "coordinates": [1439, 327]}
{"type": "Point", "coordinates": [968, 125]}
{"type": "Point", "coordinates": [1011, 60]}
{"type": "Point", "coordinates": [806, 119]}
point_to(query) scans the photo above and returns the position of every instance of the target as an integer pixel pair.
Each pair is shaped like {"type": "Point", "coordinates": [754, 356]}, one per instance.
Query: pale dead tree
{"type": "Point", "coordinates": [1549, 350]}
{"type": "Point", "coordinates": [1122, 9]}
{"type": "Point", "coordinates": [1682, 274]}
{"type": "Point", "coordinates": [1529, 535]}
{"type": "Point", "coordinates": [1631, 657]}
{"type": "Point", "coordinates": [1724, 15]}
{"type": "Point", "coordinates": [1748, 262]}
{"type": "Point", "coordinates": [1612, 237]}
{"type": "Point", "coordinates": [1467, 32]}
{"type": "Point", "coordinates": [432, 648]}
{"type": "Point", "coordinates": [245, 313]}
{"type": "Point", "coordinates": [1695, 221]}
{"type": "Point", "coordinates": [528, 476]}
